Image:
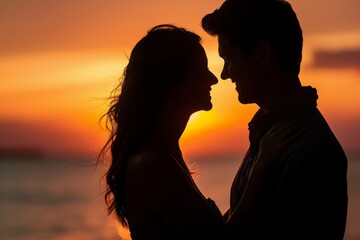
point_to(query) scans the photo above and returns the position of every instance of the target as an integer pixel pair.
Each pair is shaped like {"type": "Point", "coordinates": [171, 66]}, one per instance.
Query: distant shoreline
{"type": "Point", "coordinates": [21, 153]}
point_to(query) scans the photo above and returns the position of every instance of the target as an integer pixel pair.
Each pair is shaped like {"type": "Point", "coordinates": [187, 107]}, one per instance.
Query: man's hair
{"type": "Point", "coordinates": [246, 22]}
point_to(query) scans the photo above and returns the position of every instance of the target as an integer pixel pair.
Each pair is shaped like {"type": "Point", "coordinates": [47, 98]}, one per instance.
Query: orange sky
{"type": "Point", "coordinates": [59, 60]}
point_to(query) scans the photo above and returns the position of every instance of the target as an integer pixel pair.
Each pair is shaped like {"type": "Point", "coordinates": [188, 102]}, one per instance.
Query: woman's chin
{"type": "Point", "coordinates": [203, 107]}
{"type": "Point", "coordinates": [207, 107]}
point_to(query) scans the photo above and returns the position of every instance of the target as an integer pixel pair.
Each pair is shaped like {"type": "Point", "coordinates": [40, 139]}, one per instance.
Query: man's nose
{"type": "Point", "coordinates": [225, 73]}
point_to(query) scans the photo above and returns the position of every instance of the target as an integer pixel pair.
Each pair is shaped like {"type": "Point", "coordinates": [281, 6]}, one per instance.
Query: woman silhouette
{"type": "Point", "coordinates": [149, 186]}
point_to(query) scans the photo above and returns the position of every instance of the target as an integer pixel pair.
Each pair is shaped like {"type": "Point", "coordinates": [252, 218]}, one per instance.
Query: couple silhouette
{"type": "Point", "coordinates": [291, 183]}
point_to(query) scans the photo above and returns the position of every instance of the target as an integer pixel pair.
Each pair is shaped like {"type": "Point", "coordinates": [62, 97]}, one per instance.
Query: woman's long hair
{"type": "Point", "coordinates": [156, 64]}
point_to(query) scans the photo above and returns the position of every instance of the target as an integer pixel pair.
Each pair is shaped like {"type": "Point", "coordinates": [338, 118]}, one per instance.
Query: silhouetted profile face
{"type": "Point", "coordinates": [167, 73]}
{"type": "Point", "coordinates": [243, 70]}
{"type": "Point", "coordinates": [194, 90]}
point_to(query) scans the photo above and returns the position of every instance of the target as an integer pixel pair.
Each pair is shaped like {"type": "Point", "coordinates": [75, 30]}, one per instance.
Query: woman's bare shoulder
{"type": "Point", "coordinates": [148, 157]}
{"type": "Point", "coordinates": [150, 162]}
{"type": "Point", "coordinates": [152, 172]}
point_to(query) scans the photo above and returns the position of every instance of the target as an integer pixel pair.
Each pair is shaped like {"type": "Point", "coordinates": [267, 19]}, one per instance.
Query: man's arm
{"type": "Point", "coordinates": [311, 198]}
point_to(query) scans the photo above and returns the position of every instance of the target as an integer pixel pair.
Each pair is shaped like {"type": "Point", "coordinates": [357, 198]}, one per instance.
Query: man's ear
{"type": "Point", "coordinates": [263, 53]}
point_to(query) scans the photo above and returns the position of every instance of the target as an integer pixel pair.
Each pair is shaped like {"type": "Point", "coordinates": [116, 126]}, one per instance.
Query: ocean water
{"type": "Point", "coordinates": [56, 200]}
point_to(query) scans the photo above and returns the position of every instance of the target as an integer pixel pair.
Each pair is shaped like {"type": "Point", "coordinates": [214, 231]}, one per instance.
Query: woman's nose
{"type": "Point", "coordinates": [213, 79]}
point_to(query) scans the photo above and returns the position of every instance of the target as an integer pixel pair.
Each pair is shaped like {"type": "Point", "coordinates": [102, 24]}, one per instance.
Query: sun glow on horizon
{"type": "Point", "coordinates": [65, 77]}
{"type": "Point", "coordinates": [78, 84]}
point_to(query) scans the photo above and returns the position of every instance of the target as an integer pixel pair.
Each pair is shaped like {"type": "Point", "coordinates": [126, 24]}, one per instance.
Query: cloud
{"type": "Point", "coordinates": [349, 58]}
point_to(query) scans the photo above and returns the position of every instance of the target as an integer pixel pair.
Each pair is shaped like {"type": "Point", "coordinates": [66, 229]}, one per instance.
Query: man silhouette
{"type": "Point", "coordinates": [304, 194]}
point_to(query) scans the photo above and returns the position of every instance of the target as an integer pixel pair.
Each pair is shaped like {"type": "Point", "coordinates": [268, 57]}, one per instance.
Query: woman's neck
{"type": "Point", "coordinates": [169, 130]}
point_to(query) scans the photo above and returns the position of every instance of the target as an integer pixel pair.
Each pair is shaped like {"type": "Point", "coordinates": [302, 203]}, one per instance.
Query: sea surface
{"type": "Point", "coordinates": [62, 200]}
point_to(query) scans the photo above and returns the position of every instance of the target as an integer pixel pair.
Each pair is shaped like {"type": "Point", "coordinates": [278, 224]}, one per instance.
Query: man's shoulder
{"type": "Point", "coordinates": [313, 140]}
{"type": "Point", "coordinates": [318, 137]}
{"type": "Point", "coordinates": [312, 129]}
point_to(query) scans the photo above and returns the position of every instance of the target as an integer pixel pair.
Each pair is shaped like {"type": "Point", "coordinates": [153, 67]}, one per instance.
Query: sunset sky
{"type": "Point", "coordinates": [59, 60]}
